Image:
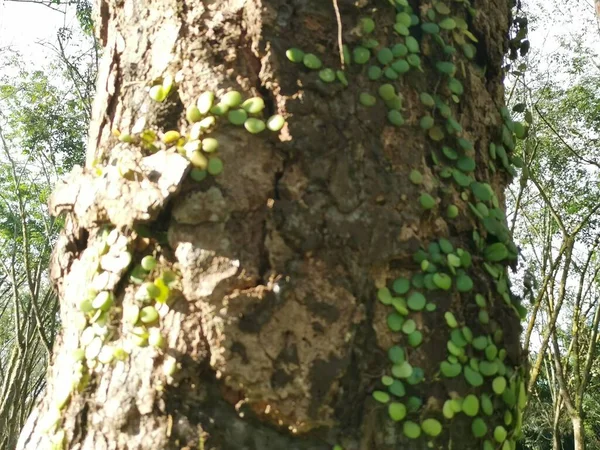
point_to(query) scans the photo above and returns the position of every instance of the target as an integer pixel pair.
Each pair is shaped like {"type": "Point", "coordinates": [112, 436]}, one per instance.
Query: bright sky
{"type": "Point", "coordinates": [24, 25]}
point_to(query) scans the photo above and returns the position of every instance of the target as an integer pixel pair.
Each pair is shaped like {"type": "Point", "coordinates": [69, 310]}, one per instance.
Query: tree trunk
{"type": "Point", "coordinates": [272, 334]}
{"type": "Point", "coordinates": [556, 434]}
{"type": "Point", "coordinates": [578, 432]}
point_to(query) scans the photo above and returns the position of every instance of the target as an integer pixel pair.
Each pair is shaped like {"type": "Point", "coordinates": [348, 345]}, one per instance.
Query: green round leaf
{"type": "Point", "coordinates": [394, 103]}
{"type": "Point", "coordinates": [254, 126]}
{"type": "Point", "coordinates": [385, 296]}
{"type": "Point", "coordinates": [452, 211]}
{"type": "Point", "coordinates": [427, 201]}
{"type": "Point", "coordinates": [401, 286]}
{"type": "Point", "coordinates": [396, 354]}
{"type": "Point", "coordinates": [396, 411]}
{"type": "Point", "coordinates": [385, 56]}
{"type": "Point", "coordinates": [450, 319]}
{"type": "Point", "coordinates": [483, 316]}
{"type": "Point", "coordinates": [275, 122]}
{"type": "Point", "coordinates": [400, 66]}
{"type": "Point", "coordinates": [442, 8]}
{"type": "Point", "coordinates": [237, 116]}
{"type": "Point", "coordinates": [486, 405]}
{"type": "Point", "coordinates": [381, 397]}
{"type": "Point", "coordinates": [411, 430]}
{"type": "Point", "coordinates": [210, 145]}
{"type": "Point", "coordinates": [415, 176]}
{"type": "Point", "coordinates": [500, 434]}
{"type": "Point", "coordinates": [473, 378]}
{"type": "Point", "coordinates": [496, 252]}
{"type": "Point", "coordinates": [409, 326]}
{"type": "Point", "coordinates": [436, 133]}
{"type": "Point", "coordinates": [327, 75]}
{"type": "Point", "coordinates": [480, 300]}
{"type": "Point", "coordinates": [470, 405]}
{"type": "Point", "coordinates": [430, 28]}
{"type": "Point", "coordinates": [491, 351]}
{"type": "Point", "coordinates": [293, 54]}
{"type": "Point", "coordinates": [442, 281]}
{"type": "Point", "coordinates": [390, 73]}
{"type": "Point", "coordinates": [480, 342]}
{"type": "Point", "coordinates": [416, 377]}
{"type": "Point", "coordinates": [215, 166]}
{"type": "Point", "coordinates": [450, 370]}
{"type": "Point", "coordinates": [499, 385]}
{"type": "Point", "coordinates": [367, 24]}
{"type": "Point", "coordinates": [404, 19]}
{"type": "Point", "coordinates": [414, 60]}
{"type": "Point", "coordinates": [361, 55]}
{"type": "Point", "coordinates": [374, 73]}
{"type": "Point", "coordinates": [157, 93]}
{"type": "Point", "coordinates": [415, 338]}
{"type": "Point", "coordinates": [427, 99]}
{"type": "Point", "coordinates": [312, 61]}
{"type": "Point", "coordinates": [432, 427]}
{"type": "Point", "coordinates": [488, 368]}
{"type": "Point", "coordinates": [446, 67]}
{"type": "Point", "coordinates": [254, 105]}
{"type": "Point", "coordinates": [148, 314]}
{"type": "Point", "coordinates": [367, 99]}
{"type": "Point", "coordinates": [387, 380]}
{"type": "Point", "coordinates": [206, 99]}
{"type": "Point", "coordinates": [234, 98]}
{"type": "Point", "coordinates": [458, 338]}
{"type": "Point", "coordinates": [401, 29]}
{"type": "Point", "coordinates": [395, 117]}
{"type": "Point", "coordinates": [395, 321]}
{"type": "Point", "coordinates": [466, 164]}
{"type": "Point", "coordinates": [479, 427]}
{"type": "Point", "coordinates": [426, 122]}
{"type": "Point", "coordinates": [399, 50]}
{"type": "Point", "coordinates": [481, 191]}
{"type": "Point", "coordinates": [402, 370]}
{"type": "Point", "coordinates": [148, 262]}
{"type": "Point", "coordinates": [416, 301]}
{"type": "Point", "coordinates": [192, 114]}
{"type": "Point", "coordinates": [447, 410]}
{"type": "Point", "coordinates": [468, 50]}
{"type": "Point", "coordinates": [341, 76]}
{"type": "Point", "coordinates": [387, 91]}
{"type": "Point", "coordinates": [455, 86]}
{"type": "Point", "coordinates": [412, 44]}
{"type": "Point", "coordinates": [447, 23]}
{"type": "Point", "coordinates": [397, 388]}
{"type": "Point", "coordinates": [464, 283]}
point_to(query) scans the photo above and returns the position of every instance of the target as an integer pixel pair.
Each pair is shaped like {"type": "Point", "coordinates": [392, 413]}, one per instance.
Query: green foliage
{"type": "Point", "coordinates": [44, 121]}
{"type": "Point", "coordinates": [556, 201]}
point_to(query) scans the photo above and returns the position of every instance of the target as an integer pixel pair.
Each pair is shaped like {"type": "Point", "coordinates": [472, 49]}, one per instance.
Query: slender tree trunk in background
{"type": "Point", "coordinates": [273, 334]}
{"type": "Point", "coordinates": [556, 435]}
{"type": "Point", "coordinates": [578, 432]}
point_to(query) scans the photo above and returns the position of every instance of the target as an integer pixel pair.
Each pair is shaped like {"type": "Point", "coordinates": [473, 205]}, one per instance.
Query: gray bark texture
{"type": "Point", "coordinates": [273, 321]}
{"type": "Point", "coordinates": [578, 431]}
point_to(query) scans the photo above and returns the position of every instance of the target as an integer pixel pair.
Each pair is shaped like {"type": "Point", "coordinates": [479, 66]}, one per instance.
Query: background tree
{"type": "Point", "coordinates": [42, 114]}
{"type": "Point", "coordinates": [557, 221]}
{"type": "Point", "coordinates": [337, 279]}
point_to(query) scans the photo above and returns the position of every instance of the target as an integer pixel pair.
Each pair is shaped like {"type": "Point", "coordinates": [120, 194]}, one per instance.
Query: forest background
{"type": "Point", "coordinates": [48, 65]}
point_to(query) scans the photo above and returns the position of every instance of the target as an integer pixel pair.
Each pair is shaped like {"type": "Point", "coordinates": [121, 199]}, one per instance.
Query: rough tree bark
{"type": "Point", "coordinates": [274, 337]}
